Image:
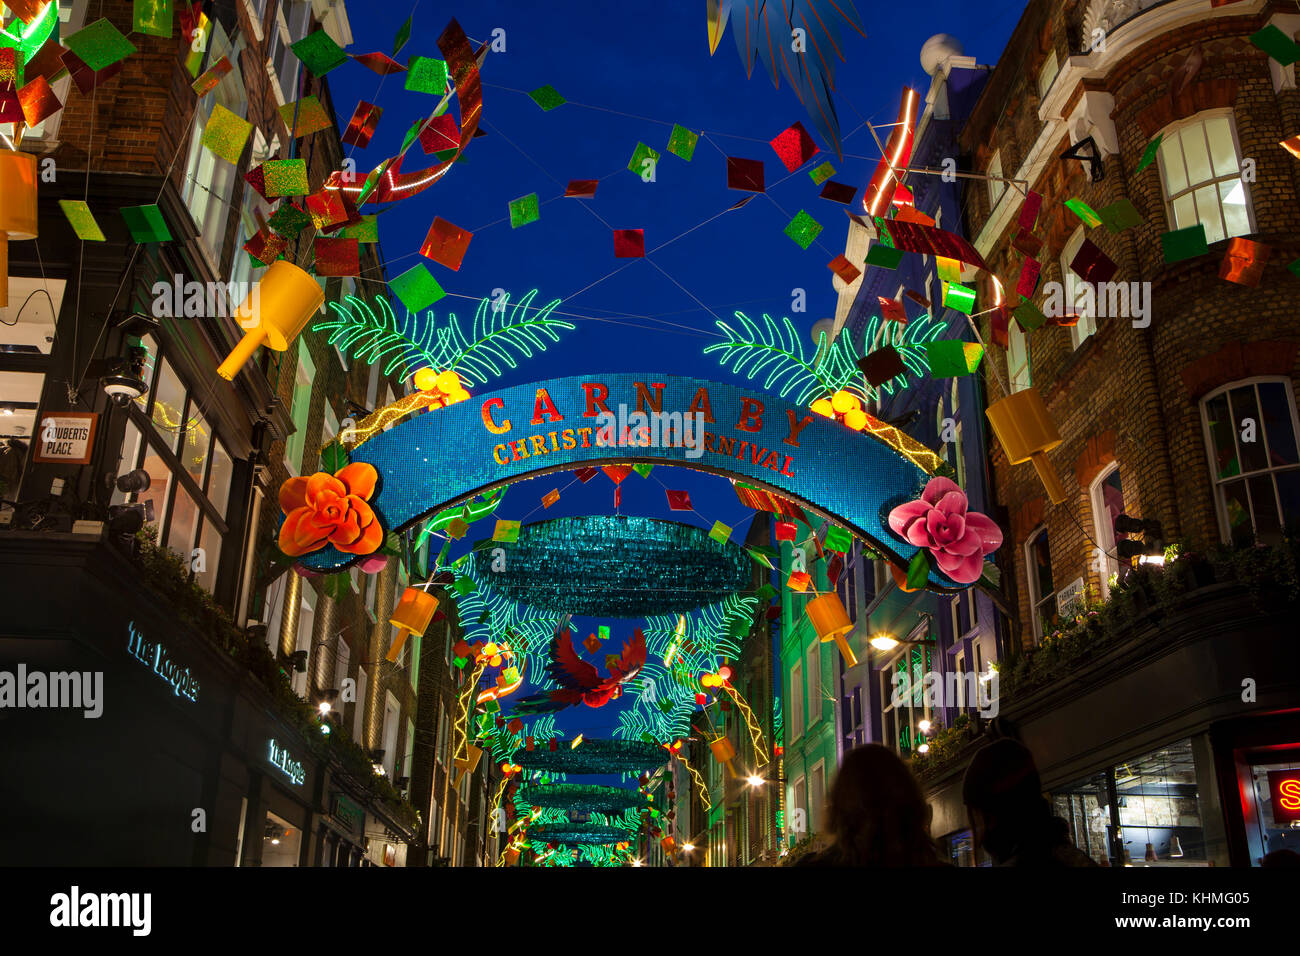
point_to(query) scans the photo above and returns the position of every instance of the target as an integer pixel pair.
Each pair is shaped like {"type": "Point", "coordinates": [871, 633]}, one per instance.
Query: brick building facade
{"type": "Point", "coordinates": [216, 451]}
{"type": "Point", "coordinates": [1157, 406]}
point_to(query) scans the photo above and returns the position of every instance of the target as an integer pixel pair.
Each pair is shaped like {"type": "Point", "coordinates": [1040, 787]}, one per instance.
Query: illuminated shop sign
{"type": "Point", "coordinates": [1284, 785]}
{"type": "Point", "coordinates": [447, 456]}
{"type": "Point", "coordinates": [284, 762]}
{"type": "Point", "coordinates": [157, 658]}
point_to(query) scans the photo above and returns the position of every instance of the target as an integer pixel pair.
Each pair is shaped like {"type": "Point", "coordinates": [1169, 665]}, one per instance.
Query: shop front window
{"type": "Point", "coordinates": [1145, 811]}
{"type": "Point", "coordinates": [1085, 806]}
{"type": "Point", "coordinates": [1277, 803]}
{"type": "Point", "coordinates": [281, 842]}
{"type": "Point", "coordinates": [1159, 808]}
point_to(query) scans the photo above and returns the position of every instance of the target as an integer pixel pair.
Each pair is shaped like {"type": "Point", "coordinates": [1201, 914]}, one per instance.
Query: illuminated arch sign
{"type": "Point", "coordinates": [449, 455]}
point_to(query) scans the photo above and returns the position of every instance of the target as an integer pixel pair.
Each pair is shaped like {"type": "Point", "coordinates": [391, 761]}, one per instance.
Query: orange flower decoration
{"type": "Point", "coordinates": [331, 509]}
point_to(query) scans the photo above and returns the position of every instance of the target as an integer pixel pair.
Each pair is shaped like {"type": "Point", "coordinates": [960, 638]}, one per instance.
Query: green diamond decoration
{"type": "Point", "coordinates": [1184, 243]}
{"type": "Point", "coordinates": [1029, 316]}
{"type": "Point", "coordinates": [366, 231]}
{"type": "Point", "coordinates": [319, 53]}
{"type": "Point", "coordinates": [1119, 215]}
{"type": "Point", "coordinates": [918, 570]}
{"type": "Point", "coordinates": [1277, 45]}
{"type": "Point", "coordinates": [289, 220]}
{"type": "Point", "coordinates": [603, 630]}
{"type": "Point", "coordinates": [1294, 268]}
{"type": "Point", "coordinates": [721, 532]}
{"type": "Point", "coordinates": [464, 586]}
{"type": "Point", "coordinates": [524, 210]}
{"type": "Point", "coordinates": [403, 34]}
{"type": "Point", "coordinates": [638, 163]}
{"type": "Point", "coordinates": [959, 297]}
{"type": "Point", "coordinates": [682, 142]}
{"type": "Point", "coordinates": [643, 469]}
{"type": "Point", "coordinates": [952, 358]}
{"type": "Point", "coordinates": [427, 75]}
{"type": "Point", "coordinates": [803, 229]}
{"type": "Point", "coordinates": [1085, 212]}
{"type": "Point", "coordinates": [99, 45]}
{"type": "Point", "coordinates": [1149, 154]}
{"type": "Point", "coordinates": [82, 220]}
{"type": "Point", "coordinates": [547, 97]}
{"type": "Point", "coordinates": [886, 257]}
{"type": "Point", "coordinates": [146, 224]}
{"type": "Point", "coordinates": [417, 288]}
{"type": "Point", "coordinates": [820, 174]}
{"type": "Point", "coordinates": [837, 539]}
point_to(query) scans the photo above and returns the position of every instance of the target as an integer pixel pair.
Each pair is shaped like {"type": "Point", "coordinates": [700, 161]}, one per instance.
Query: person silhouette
{"type": "Point", "coordinates": [876, 814]}
{"type": "Point", "coordinates": [1008, 815]}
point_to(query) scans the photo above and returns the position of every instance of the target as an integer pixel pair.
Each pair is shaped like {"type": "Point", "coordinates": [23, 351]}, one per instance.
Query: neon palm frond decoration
{"type": "Point", "coordinates": [499, 335]}
{"type": "Point", "coordinates": [775, 353]}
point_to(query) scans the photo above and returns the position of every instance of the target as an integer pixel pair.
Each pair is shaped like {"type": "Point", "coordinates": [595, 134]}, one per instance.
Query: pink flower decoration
{"type": "Point", "coordinates": [939, 522]}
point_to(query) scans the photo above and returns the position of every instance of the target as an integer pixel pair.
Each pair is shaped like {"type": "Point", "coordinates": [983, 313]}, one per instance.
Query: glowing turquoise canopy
{"type": "Point", "coordinates": [613, 566]}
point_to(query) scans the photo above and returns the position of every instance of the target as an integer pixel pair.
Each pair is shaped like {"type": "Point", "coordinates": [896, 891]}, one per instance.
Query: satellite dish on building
{"type": "Point", "coordinates": [937, 50]}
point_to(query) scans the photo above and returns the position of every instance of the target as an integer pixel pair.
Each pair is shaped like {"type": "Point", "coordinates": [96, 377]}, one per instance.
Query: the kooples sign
{"type": "Point", "coordinates": [159, 660]}
{"type": "Point", "coordinates": [283, 761]}
{"type": "Point", "coordinates": [447, 456]}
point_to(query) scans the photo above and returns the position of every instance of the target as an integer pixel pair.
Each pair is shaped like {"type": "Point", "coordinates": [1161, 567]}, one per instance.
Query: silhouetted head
{"type": "Point", "coordinates": [1004, 798]}
{"type": "Point", "coordinates": [877, 813]}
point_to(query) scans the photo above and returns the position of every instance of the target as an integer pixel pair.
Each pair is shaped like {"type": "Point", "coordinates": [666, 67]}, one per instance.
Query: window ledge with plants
{"type": "Point", "coordinates": [1264, 576]}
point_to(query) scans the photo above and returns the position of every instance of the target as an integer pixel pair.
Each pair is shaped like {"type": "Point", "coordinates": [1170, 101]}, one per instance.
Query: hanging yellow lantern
{"type": "Point", "coordinates": [17, 207]}
{"type": "Point", "coordinates": [413, 615]}
{"type": "Point", "coordinates": [1026, 433]}
{"type": "Point", "coordinates": [831, 622]}
{"type": "Point", "coordinates": [724, 752]}
{"type": "Point", "coordinates": [468, 763]}
{"type": "Point", "coordinates": [277, 309]}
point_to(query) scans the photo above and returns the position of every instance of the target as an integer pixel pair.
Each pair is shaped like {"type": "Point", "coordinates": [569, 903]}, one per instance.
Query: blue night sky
{"type": "Point", "coordinates": [629, 73]}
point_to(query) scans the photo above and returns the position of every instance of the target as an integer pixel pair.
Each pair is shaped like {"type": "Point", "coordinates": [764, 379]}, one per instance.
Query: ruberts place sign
{"type": "Point", "coordinates": [447, 456]}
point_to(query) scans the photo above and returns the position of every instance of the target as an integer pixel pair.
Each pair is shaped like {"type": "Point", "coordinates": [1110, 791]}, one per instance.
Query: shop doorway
{"type": "Point", "coordinates": [281, 842]}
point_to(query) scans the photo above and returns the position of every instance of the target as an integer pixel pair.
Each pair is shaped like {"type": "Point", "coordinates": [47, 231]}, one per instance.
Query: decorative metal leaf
{"type": "Point", "coordinates": [776, 351]}
{"type": "Point", "coordinates": [498, 334]}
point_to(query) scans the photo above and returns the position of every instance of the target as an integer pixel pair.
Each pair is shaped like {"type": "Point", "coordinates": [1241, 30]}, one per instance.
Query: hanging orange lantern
{"type": "Point", "coordinates": [831, 622]}
{"type": "Point", "coordinates": [413, 615]}
{"type": "Point", "coordinates": [17, 207]}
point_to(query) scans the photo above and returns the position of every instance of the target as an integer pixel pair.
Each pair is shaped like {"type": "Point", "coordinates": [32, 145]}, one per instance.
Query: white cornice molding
{"type": "Point", "coordinates": [1120, 44]}
{"type": "Point", "coordinates": [1125, 40]}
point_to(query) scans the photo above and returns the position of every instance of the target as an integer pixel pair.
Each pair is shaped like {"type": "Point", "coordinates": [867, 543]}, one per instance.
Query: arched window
{"type": "Point", "coordinates": [1250, 437]}
{"type": "Point", "coordinates": [1200, 169]}
{"type": "Point", "coordinates": [1107, 493]}
{"type": "Point", "coordinates": [1042, 592]}
{"type": "Point", "coordinates": [1073, 287]}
